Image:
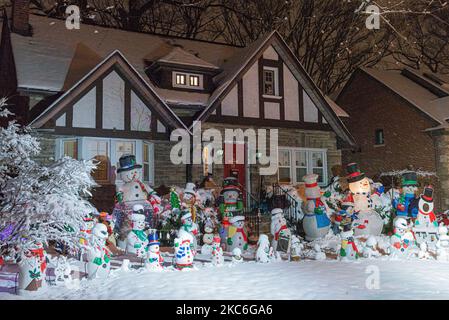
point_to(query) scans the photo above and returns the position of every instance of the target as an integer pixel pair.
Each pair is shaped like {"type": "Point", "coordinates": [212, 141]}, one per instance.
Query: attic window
{"type": "Point", "coordinates": [270, 81]}
{"type": "Point", "coordinates": [187, 80]}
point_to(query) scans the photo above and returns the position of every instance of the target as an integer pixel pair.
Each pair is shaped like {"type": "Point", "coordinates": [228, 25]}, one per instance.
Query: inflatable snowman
{"type": "Point", "coordinates": [32, 267]}
{"type": "Point", "coordinates": [263, 253]}
{"type": "Point", "coordinates": [230, 200]}
{"type": "Point", "coordinates": [237, 237]}
{"type": "Point", "coordinates": [405, 206]}
{"type": "Point", "coordinates": [316, 222]}
{"type": "Point", "coordinates": [281, 234]}
{"type": "Point", "coordinates": [368, 220]}
{"type": "Point", "coordinates": [137, 241]}
{"type": "Point", "coordinates": [154, 259]}
{"type": "Point", "coordinates": [98, 256]}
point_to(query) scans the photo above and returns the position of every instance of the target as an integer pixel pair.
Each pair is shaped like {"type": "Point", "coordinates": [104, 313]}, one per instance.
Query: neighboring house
{"type": "Point", "coordinates": [100, 93]}
{"type": "Point", "coordinates": [399, 118]}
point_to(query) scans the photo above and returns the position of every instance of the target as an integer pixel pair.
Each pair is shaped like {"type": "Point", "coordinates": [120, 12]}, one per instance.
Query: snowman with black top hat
{"type": "Point", "coordinates": [426, 224]}
{"type": "Point", "coordinates": [368, 221]}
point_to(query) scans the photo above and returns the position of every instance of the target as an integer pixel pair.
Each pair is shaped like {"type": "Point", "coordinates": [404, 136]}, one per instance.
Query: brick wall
{"type": "Point", "coordinates": [20, 17]}
{"type": "Point", "coordinates": [442, 149]}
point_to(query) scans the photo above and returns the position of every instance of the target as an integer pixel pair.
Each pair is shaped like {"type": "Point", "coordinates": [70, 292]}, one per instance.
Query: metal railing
{"type": "Point", "coordinates": [291, 207]}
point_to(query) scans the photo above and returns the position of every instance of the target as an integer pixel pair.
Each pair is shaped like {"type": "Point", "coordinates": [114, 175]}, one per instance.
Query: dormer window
{"type": "Point", "coordinates": [187, 80]}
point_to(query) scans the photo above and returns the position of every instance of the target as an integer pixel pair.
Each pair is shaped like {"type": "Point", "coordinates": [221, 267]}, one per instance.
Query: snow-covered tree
{"type": "Point", "coordinates": [39, 203]}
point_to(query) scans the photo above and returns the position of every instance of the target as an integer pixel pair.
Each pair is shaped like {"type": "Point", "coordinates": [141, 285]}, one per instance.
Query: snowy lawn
{"type": "Point", "coordinates": [399, 279]}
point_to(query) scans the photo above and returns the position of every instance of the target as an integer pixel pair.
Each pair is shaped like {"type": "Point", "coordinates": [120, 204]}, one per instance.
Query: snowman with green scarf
{"type": "Point", "coordinates": [137, 240]}
{"type": "Point", "coordinates": [188, 226]}
{"type": "Point", "coordinates": [98, 255]}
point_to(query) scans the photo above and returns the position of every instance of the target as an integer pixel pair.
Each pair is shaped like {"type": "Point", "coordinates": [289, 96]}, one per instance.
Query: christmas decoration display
{"type": "Point", "coordinates": [184, 250]}
{"type": "Point", "coordinates": [426, 224]}
{"type": "Point", "coordinates": [237, 236]}
{"type": "Point", "coordinates": [263, 249]}
{"type": "Point", "coordinates": [347, 210]}
{"type": "Point", "coordinates": [63, 271]}
{"type": "Point", "coordinates": [189, 199]}
{"type": "Point", "coordinates": [402, 239]}
{"type": "Point", "coordinates": [137, 241]}
{"type": "Point", "coordinates": [208, 238]}
{"type": "Point", "coordinates": [175, 202]}
{"type": "Point", "coordinates": [188, 226]}
{"type": "Point", "coordinates": [130, 192]}
{"type": "Point", "coordinates": [154, 259]}
{"type": "Point", "coordinates": [381, 201]}
{"type": "Point", "coordinates": [295, 249]}
{"type": "Point", "coordinates": [404, 205]}
{"type": "Point", "coordinates": [442, 244]}
{"type": "Point", "coordinates": [98, 255]}
{"type": "Point", "coordinates": [217, 252]}
{"type": "Point", "coordinates": [281, 234]}
{"type": "Point", "coordinates": [237, 256]}
{"type": "Point", "coordinates": [231, 199]}
{"type": "Point", "coordinates": [32, 266]}
{"type": "Point", "coordinates": [368, 220]}
{"type": "Point", "coordinates": [348, 250]}
{"type": "Point", "coordinates": [316, 222]}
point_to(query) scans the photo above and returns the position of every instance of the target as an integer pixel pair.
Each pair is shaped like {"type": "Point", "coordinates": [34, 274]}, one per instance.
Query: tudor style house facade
{"type": "Point", "coordinates": [399, 118]}
{"type": "Point", "coordinates": [100, 93]}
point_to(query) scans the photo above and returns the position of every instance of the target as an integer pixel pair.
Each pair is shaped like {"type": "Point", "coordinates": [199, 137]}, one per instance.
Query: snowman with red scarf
{"type": "Point", "coordinates": [316, 222]}
{"type": "Point", "coordinates": [402, 241]}
{"type": "Point", "coordinates": [278, 228]}
{"type": "Point", "coordinates": [368, 221]}
{"type": "Point", "coordinates": [426, 217]}
{"type": "Point", "coordinates": [237, 237]}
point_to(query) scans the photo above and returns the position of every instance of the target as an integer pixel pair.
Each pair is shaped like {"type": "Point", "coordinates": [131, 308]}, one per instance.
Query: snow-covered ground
{"type": "Point", "coordinates": [330, 279]}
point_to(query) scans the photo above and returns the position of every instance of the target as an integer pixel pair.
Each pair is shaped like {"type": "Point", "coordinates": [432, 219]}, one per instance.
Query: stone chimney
{"type": "Point", "coordinates": [20, 17]}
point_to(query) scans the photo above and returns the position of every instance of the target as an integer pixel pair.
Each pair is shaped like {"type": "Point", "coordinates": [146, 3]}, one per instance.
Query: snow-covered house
{"type": "Point", "coordinates": [399, 118]}
{"type": "Point", "coordinates": [100, 92]}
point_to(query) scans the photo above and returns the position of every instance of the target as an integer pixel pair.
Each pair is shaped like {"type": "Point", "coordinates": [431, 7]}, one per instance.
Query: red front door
{"type": "Point", "coordinates": [234, 165]}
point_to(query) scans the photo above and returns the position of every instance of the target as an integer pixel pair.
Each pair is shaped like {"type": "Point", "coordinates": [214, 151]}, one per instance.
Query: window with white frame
{"type": "Point", "coordinates": [187, 80]}
{"type": "Point", "coordinates": [108, 152]}
{"type": "Point", "coordinates": [270, 81]}
{"type": "Point", "coordinates": [295, 163]}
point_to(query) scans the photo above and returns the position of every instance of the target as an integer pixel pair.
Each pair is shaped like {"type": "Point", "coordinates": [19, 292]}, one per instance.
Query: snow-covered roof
{"type": "Point", "coordinates": [43, 60]}
{"type": "Point", "coordinates": [419, 90]}
{"type": "Point", "coordinates": [181, 57]}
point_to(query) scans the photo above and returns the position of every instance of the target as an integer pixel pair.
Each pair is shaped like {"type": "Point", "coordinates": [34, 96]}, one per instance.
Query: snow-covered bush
{"type": "Point", "coordinates": [39, 203]}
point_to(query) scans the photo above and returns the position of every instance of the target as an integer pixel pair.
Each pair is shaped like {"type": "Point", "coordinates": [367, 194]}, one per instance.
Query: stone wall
{"type": "Point", "coordinates": [442, 159]}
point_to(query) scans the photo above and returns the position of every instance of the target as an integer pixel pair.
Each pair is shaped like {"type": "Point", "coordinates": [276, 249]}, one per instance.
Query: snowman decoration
{"type": "Point", "coordinates": [381, 200]}
{"type": "Point", "coordinates": [296, 249]}
{"type": "Point", "coordinates": [188, 226]}
{"type": "Point", "coordinates": [189, 199]}
{"type": "Point", "coordinates": [230, 200]}
{"type": "Point", "coordinates": [316, 222]}
{"type": "Point", "coordinates": [442, 244]}
{"type": "Point", "coordinates": [426, 224]}
{"type": "Point", "coordinates": [184, 250]}
{"type": "Point", "coordinates": [137, 241]}
{"type": "Point", "coordinates": [264, 252]}
{"type": "Point", "coordinates": [217, 252]}
{"type": "Point", "coordinates": [62, 271]}
{"type": "Point", "coordinates": [281, 234]}
{"type": "Point", "coordinates": [405, 206]}
{"type": "Point", "coordinates": [237, 237]}
{"type": "Point", "coordinates": [154, 259]}
{"type": "Point", "coordinates": [368, 220]}
{"type": "Point", "coordinates": [208, 238]}
{"type": "Point", "coordinates": [402, 241]}
{"type": "Point", "coordinates": [33, 267]}
{"type": "Point", "coordinates": [237, 256]}
{"type": "Point", "coordinates": [348, 249]}
{"type": "Point", "coordinates": [98, 256]}
{"type": "Point", "coordinates": [370, 248]}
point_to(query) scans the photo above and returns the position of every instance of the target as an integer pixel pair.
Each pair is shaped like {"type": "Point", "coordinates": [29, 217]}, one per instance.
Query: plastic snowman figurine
{"type": "Point", "coordinates": [217, 252]}
{"type": "Point", "coordinates": [316, 222]}
{"type": "Point", "coordinates": [370, 248]}
{"type": "Point", "coordinates": [33, 267]}
{"type": "Point", "coordinates": [295, 249]}
{"type": "Point", "coordinates": [405, 205]}
{"type": "Point", "coordinates": [208, 238]}
{"type": "Point", "coordinates": [137, 240]}
{"type": "Point", "coordinates": [189, 199]}
{"type": "Point", "coordinates": [184, 250]}
{"type": "Point", "coordinates": [230, 200]}
{"type": "Point", "coordinates": [402, 239]}
{"type": "Point", "coordinates": [154, 259]}
{"type": "Point", "coordinates": [368, 220]}
{"type": "Point", "coordinates": [348, 250]}
{"type": "Point", "coordinates": [442, 243]}
{"type": "Point", "coordinates": [237, 237]}
{"type": "Point", "coordinates": [279, 230]}
{"type": "Point", "coordinates": [98, 256]}
{"type": "Point", "coordinates": [189, 226]}
{"type": "Point", "coordinates": [263, 253]}
{"type": "Point", "coordinates": [237, 256]}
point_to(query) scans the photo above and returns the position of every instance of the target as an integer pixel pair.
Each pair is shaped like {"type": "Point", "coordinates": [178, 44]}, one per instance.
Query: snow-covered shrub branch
{"type": "Point", "coordinates": [37, 202]}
